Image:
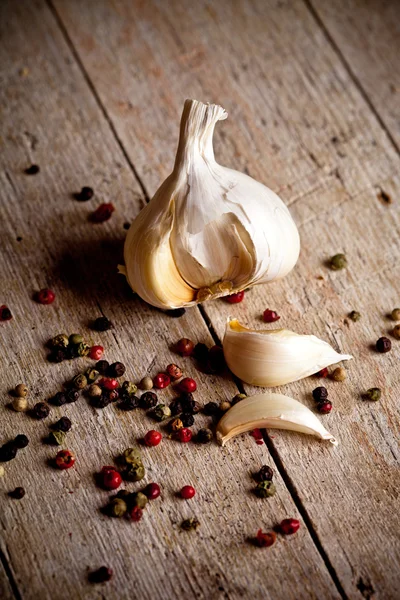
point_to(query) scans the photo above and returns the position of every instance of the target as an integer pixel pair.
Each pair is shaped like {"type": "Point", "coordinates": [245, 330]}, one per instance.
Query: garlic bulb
{"type": "Point", "coordinates": [208, 231]}
{"type": "Point", "coordinates": [276, 356]}
{"type": "Point", "coordinates": [273, 411]}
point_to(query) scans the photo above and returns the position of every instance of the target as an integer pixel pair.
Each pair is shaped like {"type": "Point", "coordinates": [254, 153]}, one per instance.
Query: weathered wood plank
{"type": "Point", "coordinates": [299, 124]}
{"type": "Point", "coordinates": [57, 532]}
{"type": "Point", "coordinates": [6, 592]}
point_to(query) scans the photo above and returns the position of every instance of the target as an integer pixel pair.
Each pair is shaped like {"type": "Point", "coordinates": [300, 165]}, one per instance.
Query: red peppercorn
{"type": "Point", "coordinates": [152, 438]}
{"type": "Point", "coordinates": [111, 479]}
{"type": "Point", "coordinates": [5, 313]}
{"type": "Point", "coordinates": [188, 385]}
{"type": "Point", "coordinates": [96, 352]}
{"type": "Point", "coordinates": [289, 526]}
{"type": "Point", "coordinates": [325, 407]}
{"type": "Point", "coordinates": [257, 435]}
{"type": "Point", "coordinates": [108, 384]}
{"type": "Point", "coordinates": [152, 491]}
{"type": "Point", "coordinates": [322, 373]}
{"type": "Point", "coordinates": [161, 381]}
{"type": "Point", "coordinates": [136, 513]}
{"type": "Point", "coordinates": [270, 316]}
{"type": "Point", "coordinates": [174, 372]}
{"type": "Point", "coordinates": [187, 492]}
{"type": "Point", "coordinates": [185, 347]}
{"type": "Point", "coordinates": [234, 298]}
{"type": "Point", "coordinates": [65, 459]}
{"type": "Point", "coordinates": [45, 296]}
{"type": "Point", "coordinates": [264, 540]}
{"type": "Point", "coordinates": [102, 213]}
{"type": "Point", "coordinates": [107, 469]}
{"type": "Point", "coordinates": [185, 435]}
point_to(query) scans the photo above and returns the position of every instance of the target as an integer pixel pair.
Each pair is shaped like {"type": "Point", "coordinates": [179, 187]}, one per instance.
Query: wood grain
{"type": "Point", "coordinates": [56, 533]}
{"type": "Point", "coordinates": [300, 124]}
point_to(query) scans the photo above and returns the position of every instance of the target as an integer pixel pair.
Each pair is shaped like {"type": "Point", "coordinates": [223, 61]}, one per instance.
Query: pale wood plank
{"type": "Point", "coordinates": [299, 124]}
{"type": "Point", "coordinates": [56, 533]}
{"type": "Point", "coordinates": [6, 592]}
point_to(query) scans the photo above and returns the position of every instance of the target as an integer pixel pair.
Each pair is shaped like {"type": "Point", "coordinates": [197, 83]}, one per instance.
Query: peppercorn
{"type": "Point", "coordinates": [339, 374]}
{"type": "Point", "coordinates": [152, 438]}
{"type": "Point", "coordinates": [354, 316]}
{"type": "Point", "coordinates": [21, 390]}
{"type": "Point", "coordinates": [136, 513]}
{"type": "Point", "coordinates": [204, 436]}
{"type": "Point", "coordinates": [146, 383]}
{"type": "Point", "coordinates": [270, 316]}
{"type": "Point", "coordinates": [176, 407]}
{"type": "Point", "coordinates": [187, 401]}
{"type": "Point", "coordinates": [82, 349]}
{"type": "Point", "coordinates": [63, 424]}
{"type": "Point", "coordinates": [174, 371]}
{"type": "Point", "coordinates": [58, 399]}
{"type": "Point", "coordinates": [131, 456]}
{"type": "Point", "coordinates": [190, 524]}
{"type": "Point", "coordinates": [65, 459]}
{"type": "Point", "coordinates": [111, 479]}
{"type": "Point", "coordinates": [337, 262]}
{"type": "Point", "coordinates": [102, 213]}
{"type": "Point", "coordinates": [234, 298]}
{"type": "Point", "coordinates": [20, 404]}
{"type": "Point", "coordinates": [128, 388]}
{"type": "Point", "coordinates": [117, 369]}
{"type": "Point", "coordinates": [373, 394]}
{"type": "Point", "coordinates": [117, 508]}
{"type": "Point", "coordinates": [101, 366]}
{"type": "Point", "coordinates": [129, 403]}
{"type": "Point", "coordinates": [224, 406]}
{"type": "Point", "coordinates": [41, 410]}
{"type": "Point", "coordinates": [102, 324]}
{"type": "Point", "coordinates": [59, 341]}
{"type": "Point", "coordinates": [5, 313]}
{"type": "Point", "coordinates": [57, 355]}
{"type": "Point", "coordinates": [161, 412]}
{"type": "Point", "coordinates": [152, 491]}
{"type": "Point", "coordinates": [201, 352]}
{"type": "Point", "coordinates": [176, 425]}
{"type": "Point", "coordinates": [91, 375]}
{"type": "Point", "coordinates": [71, 396]}
{"type": "Point", "coordinates": [185, 435]}
{"type": "Point", "coordinates": [383, 344]}
{"type": "Point", "coordinates": [96, 352]}
{"type": "Point", "coordinates": [100, 401]}
{"type": "Point", "coordinates": [185, 347]}
{"type": "Point", "coordinates": [112, 395]}
{"type": "Point", "coordinates": [139, 499]}
{"type": "Point", "coordinates": [148, 400]}
{"type": "Point", "coordinates": [57, 437]}
{"type": "Point", "coordinates": [18, 493]}
{"type": "Point", "coordinates": [187, 492]}
{"type": "Point", "coordinates": [8, 452]}
{"type": "Point", "coordinates": [85, 194]}
{"type": "Point", "coordinates": [396, 314]}
{"type": "Point", "coordinates": [396, 332]}
{"type": "Point", "coordinates": [32, 170]}
{"type": "Point", "coordinates": [265, 489]}
{"type": "Point", "coordinates": [175, 312]}
{"type": "Point", "coordinates": [75, 339]}
{"type": "Point", "coordinates": [101, 575]}
{"type": "Point", "coordinates": [322, 373]}
{"type": "Point", "coordinates": [289, 526]}
{"type": "Point", "coordinates": [187, 419]}
{"type": "Point", "coordinates": [79, 381]}
{"type": "Point", "coordinates": [161, 381]}
{"type": "Point", "coordinates": [324, 407]}
{"type": "Point", "coordinates": [265, 540]}
{"type": "Point", "coordinates": [264, 474]}
{"type": "Point", "coordinates": [237, 398]}
{"type": "Point", "coordinates": [21, 441]}
{"type": "Point", "coordinates": [123, 494]}
{"type": "Point", "coordinates": [45, 296]}
{"type": "Point", "coordinates": [134, 472]}
{"type": "Point", "coordinates": [188, 385]}
{"type": "Point", "coordinates": [211, 409]}
{"type": "Point", "coordinates": [320, 393]}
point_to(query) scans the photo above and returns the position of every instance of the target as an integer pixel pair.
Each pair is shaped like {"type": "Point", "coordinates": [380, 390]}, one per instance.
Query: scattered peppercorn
{"type": "Point", "coordinates": [129, 403]}
{"type": "Point", "coordinates": [289, 526]}
{"type": "Point", "coordinates": [8, 452]}
{"type": "Point", "coordinates": [187, 419]}
{"type": "Point", "coordinates": [40, 411]}
{"type": "Point", "coordinates": [152, 491]}
{"type": "Point", "coordinates": [100, 401]}
{"type": "Point", "coordinates": [57, 355]}
{"type": "Point", "coordinates": [324, 407]}
{"type": "Point", "coordinates": [237, 398]}
{"type": "Point", "coordinates": [112, 395]}
{"type": "Point", "coordinates": [131, 456]}
{"type": "Point", "coordinates": [96, 352]}
{"type": "Point", "coordinates": [79, 381]}
{"type": "Point", "coordinates": [373, 394]}
{"type": "Point", "coordinates": [21, 390]}
{"type": "Point", "coordinates": [111, 480]}
{"type": "Point", "coordinates": [161, 412]}
{"type": "Point", "coordinates": [148, 400]}
{"type": "Point", "coordinates": [45, 296]}
{"type": "Point", "coordinates": [71, 396]}
{"type": "Point", "coordinates": [211, 409]}
{"type": "Point", "coordinates": [82, 349]}
{"type": "Point", "coordinates": [117, 369]}
{"type": "Point", "coordinates": [175, 312]}
{"type": "Point", "coordinates": [396, 332]}
{"type": "Point", "coordinates": [102, 324]}
{"type": "Point", "coordinates": [75, 339]}
{"type": "Point", "coordinates": [63, 424]}
{"type": "Point", "coordinates": [21, 441]}
{"type": "Point", "coordinates": [91, 375]}
{"type": "Point", "coordinates": [32, 170]}
{"type": "Point", "coordinates": [320, 393]}
{"type": "Point", "coordinates": [101, 366]}
{"type": "Point", "coordinates": [176, 406]}
{"type": "Point", "coordinates": [59, 341]}
{"type": "Point", "coordinates": [185, 435]}
{"type": "Point", "coordinates": [190, 524]}
{"type": "Point", "coordinates": [264, 474]}
{"type": "Point", "coordinates": [20, 404]}
{"type": "Point", "coordinates": [117, 508]}
{"type": "Point", "coordinates": [265, 540]}
{"type": "Point", "coordinates": [18, 493]}
{"type": "Point", "coordinates": [265, 489]}
{"type": "Point", "coordinates": [339, 374]}
{"type": "Point", "coordinates": [128, 388]}
{"type": "Point", "coordinates": [270, 316]}
{"type": "Point", "coordinates": [146, 383]}
{"type": "Point", "coordinates": [383, 344]}
{"type": "Point", "coordinates": [5, 313]}
{"type": "Point", "coordinates": [152, 438]}
{"type": "Point", "coordinates": [396, 314]}
{"type": "Point", "coordinates": [322, 373]}
{"type": "Point", "coordinates": [136, 513]}
{"type": "Point", "coordinates": [201, 352]}
{"type": "Point", "coordinates": [204, 436]}
{"type": "Point", "coordinates": [174, 372]}
{"type": "Point", "coordinates": [187, 492]}
{"type": "Point", "coordinates": [58, 399]}
{"type": "Point", "coordinates": [65, 459]}
{"type": "Point", "coordinates": [354, 316]}
{"type": "Point", "coordinates": [161, 381]}
{"type": "Point", "coordinates": [337, 262]}
{"type": "Point", "coordinates": [188, 385]}
{"type": "Point", "coordinates": [84, 195]}
{"type": "Point", "coordinates": [185, 347]}
{"type": "Point", "coordinates": [224, 406]}
{"type": "Point", "coordinates": [101, 575]}
{"type": "Point", "coordinates": [57, 437]}
{"type": "Point", "coordinates": [108, 384]}
{"type": "Point", "coordinates": [134, 472]}
{"type": "Point", "coordinates": [102, 213]}
{"type": "Point", "coordinates": [176, 425]}
{"type": "Point", "coordinates": [234, 298]}
{"type": "Point", "coordinates": [139, 499]}
{"type": "Point", "coordinates": [187, 401]}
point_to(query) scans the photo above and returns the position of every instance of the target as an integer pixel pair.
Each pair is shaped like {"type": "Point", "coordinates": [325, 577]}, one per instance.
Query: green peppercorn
{"type": "Point", "coordinates": [373, 394]}
{"type": "Point", "coordinates": [129, 388]}
{"type": "Point", "coordinates": [79, 381]}
{"type": "Point", "coordinates": [176, 425]}
{"type": "Point", "coordinates": [355, 316]}
{"type": "Point", "coordinates": [161, 412]}
{"type": "Point", "coordinates": [265, 489]}
{"type": "Point", "coordinates": [82, 349]}
{"type": "Point", "coordinates": [396, 332]}
{"type": "Point", "coordinates": [204, 436]}
{"type": "Point", "coordinates": [138, 499]}
{"type": "Point", "coordinates": [117, 508]}
{"type": "Point", "coordinates": [91, 375]}
{"type": "Point", "coordinates": [57, 437]}
{"type": "Point", "coordinates": [132, 456]}
{"type": "Point", "coordinates": [337, 262]}
{"type": "Point", "coordinates": [396, 314]}
{"type": "Point", "coordinates": [75, 339]}
{"type": "Point", "coordinates": [134, 472]}
{"type": "Point", "coordinates": [237, 398]}
{"type": "Point", "coordinates": [59, 341]}
{"type": "Point", "coordinates": [190, 524]}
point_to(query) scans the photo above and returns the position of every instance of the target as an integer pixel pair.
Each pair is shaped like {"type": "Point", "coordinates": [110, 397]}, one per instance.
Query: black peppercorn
{"type": "Point", "coordinates": [102, 324]}
{"type": "Point", "coordinates": [63, 424]}
{"type": "Point", "coordinates": [211, 409]}
{"type": "Point", "coordinates": [101, 575]}
{"type": "Point", "coordinates": [264, 474]}
{"type": "Point", "coordinates": [32, 170]}
{"type": "Point", "coordinates": [117, 369]}
{"type": "Point", "coordinates": [8, 452]}
{"type": "Point", "coordinates": [40, 410]}
{"type": "Point", "coordinates": [383, 344]}
{"type": "Point", "coordinates": [176, 312]}
{"type": "Point", "coordinates": [187, 402]}
{"type": "Point", "coordinates": [320, 394]}
{"type": "Point", "coordinates": [21, 441]}
{"type": "Point", "coordinates": [176, 407]}
{"type": "Point", "coordinates": [18, 493]}
{"type": "Point", "coordinates": [72, 351]}
{"type": "Point", "coordinates": [72, 396]}
{"type": "Point", "coordinates": [237, 398]}
{"type": "Point", "coordinates": [148, 400]}
{"type": "Point", "coordinates": [85, 194]}
{"type": "Point", "coordinates": [129, 403]}
{"type": "Point", "coordinates": [201, 352]}
{"type": "Point", "coordinates": [112, 395]}
{"type": "Point", "coordinates": [204, 436]}
{"type": "Point", "coordinates": [102, 366]}
{"type": "Point", "coordinates": [196, 408]}
{"type": "Point", "coordinates": [100, 401]}
{"type": "Point", "coordinates": [187, 419]}
{"type": "Point", "coordinates": [58, 399]}
{"type": "Point", "coordinates": [57, 355]}
{"type": "Point", "coordinates": [5, 313]}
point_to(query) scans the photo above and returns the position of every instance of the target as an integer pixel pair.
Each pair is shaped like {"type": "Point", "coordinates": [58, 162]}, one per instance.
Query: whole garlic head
{"type": "Point", "coordinates": [208, 231]}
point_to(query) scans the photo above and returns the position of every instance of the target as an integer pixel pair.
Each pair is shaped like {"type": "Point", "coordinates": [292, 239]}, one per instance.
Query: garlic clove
{"type": "Point", "coordinates": [273, 411]}
{"type": "Point", "coordinates": [274, 357]}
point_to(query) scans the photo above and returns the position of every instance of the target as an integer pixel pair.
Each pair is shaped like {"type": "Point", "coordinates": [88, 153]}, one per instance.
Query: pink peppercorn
{"type": "Point", "coordinates": [102, 213]}
{"type": "Point", "coordinates": [325, 407]}
{"type": "Point", "coordinates": [174, 371]}
{"type": "Point", "coordinates": [322, 373]}
{"type": "Point", "coordinates": [234, 298]}
{"type": "Point", "coordinates": [96, 352]}
{"type": "Point", "coordinates": [270, 316]}
{"type": "Point", "coordinates": [152, 491]}
{"type": "Point", "coordinates": [152, 438]}
{"type": "Point", "coordinates": [45, 296]}
{"type": "Point", "coordinates": [185, 435]}
{"type": "Point", "coordinates": [289, 526]}
{"type": "Point", "coordinates": [111, 479]}
{"type": "Point", "coordinates": [136, 513]}
{"type": "Point", "coordinates": [188, 385]}
{"type": "Point", "coordinates": [187, 492]}
{"type": "Point", "coordinates": [108, 384]}
{"type": "Point", "coordinates": [161, 381]}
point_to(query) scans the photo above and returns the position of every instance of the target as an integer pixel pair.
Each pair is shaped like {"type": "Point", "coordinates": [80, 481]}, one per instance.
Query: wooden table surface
{"type": "Point", "coordinates": [92, 92]}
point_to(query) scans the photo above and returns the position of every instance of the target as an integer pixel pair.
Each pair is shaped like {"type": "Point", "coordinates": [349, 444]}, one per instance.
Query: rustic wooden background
{"type": "Point", "coordinates": [92, 92]}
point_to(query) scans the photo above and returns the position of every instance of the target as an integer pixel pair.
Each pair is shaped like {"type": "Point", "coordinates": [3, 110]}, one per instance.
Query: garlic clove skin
{"type": "Point", "coordinates": [208, 231]}
{"type": "Point", "coordinates": [270, 411]}
{"type": "Point", "coordinates": [269, 358]}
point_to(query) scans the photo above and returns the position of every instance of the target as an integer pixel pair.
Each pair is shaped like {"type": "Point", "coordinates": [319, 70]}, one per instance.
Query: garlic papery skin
{"type": "Point", "coordinates": [269, 358]}
{"type": "Point", "coordinates": [208, 231]}
{"type": "Point", "coordinates": [273, 411]}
